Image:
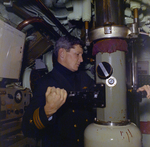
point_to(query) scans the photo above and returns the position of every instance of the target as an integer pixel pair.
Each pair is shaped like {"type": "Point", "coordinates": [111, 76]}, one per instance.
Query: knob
{"type": "Point", "coordinates": [8, 111]}
{"type": "Point", "coordinates": [16, 111]}
{"type": "Point", "coordinates": [104, 70]}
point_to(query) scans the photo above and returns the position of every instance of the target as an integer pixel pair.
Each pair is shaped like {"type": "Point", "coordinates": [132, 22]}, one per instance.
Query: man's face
{"type": "Point", "coordinates": [73, 58]}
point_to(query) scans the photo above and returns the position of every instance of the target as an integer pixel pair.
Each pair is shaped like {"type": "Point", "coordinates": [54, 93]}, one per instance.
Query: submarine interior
{"type": "Point", "coordinates": [116, 34]}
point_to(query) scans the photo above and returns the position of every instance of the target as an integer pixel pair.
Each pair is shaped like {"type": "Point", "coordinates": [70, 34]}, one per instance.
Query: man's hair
{"type": "Point", "coordinates": [67, 42]}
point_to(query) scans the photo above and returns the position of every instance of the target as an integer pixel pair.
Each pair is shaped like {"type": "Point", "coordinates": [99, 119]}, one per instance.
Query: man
{"type": "Point", "coordinates": [49, 117]}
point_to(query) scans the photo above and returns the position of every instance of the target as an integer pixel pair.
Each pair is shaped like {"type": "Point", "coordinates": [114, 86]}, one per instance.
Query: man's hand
{"type": "Point", "coordinates": [145, 88]}
{"type": "Point", "coordinates": [55, 98]}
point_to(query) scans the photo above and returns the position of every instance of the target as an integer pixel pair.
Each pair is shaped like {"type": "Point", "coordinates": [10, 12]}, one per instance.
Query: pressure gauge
{"type": "Point", "coordinates": [18, 96]}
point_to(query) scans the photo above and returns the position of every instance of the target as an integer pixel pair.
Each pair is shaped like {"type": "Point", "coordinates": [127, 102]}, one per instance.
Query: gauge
{"type": "Point", "coordinates": [18, 96]}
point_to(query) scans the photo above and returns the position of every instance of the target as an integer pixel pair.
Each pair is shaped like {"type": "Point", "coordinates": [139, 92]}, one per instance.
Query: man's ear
{"type": "Point", "coordinates": [61, 53]}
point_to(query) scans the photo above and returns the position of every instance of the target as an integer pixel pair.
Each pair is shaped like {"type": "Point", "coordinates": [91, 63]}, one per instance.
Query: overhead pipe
{"type": "Point", "coordinates": [50, 15]}
{"type": "Point", "coordinates": [38, 20]}
{"type": "Point", "coordinates": [30, 20]}
{"type": "Point", "coordinates": [20, 12]}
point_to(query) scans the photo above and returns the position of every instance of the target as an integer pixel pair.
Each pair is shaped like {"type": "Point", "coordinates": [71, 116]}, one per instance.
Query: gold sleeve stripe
{"type": "Point", "coordinates": [36, 119]}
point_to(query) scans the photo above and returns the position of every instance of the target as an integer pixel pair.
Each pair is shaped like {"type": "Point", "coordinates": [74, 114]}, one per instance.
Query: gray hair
{"type": "Point", "coordinates": [67, 42]}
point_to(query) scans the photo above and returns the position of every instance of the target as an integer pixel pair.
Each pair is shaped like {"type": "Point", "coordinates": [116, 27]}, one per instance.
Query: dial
{"type": "Point", "coordinates": [18, 96]}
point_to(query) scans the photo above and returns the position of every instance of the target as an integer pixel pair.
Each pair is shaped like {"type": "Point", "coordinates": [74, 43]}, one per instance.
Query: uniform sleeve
{"type": "Point", "coordinates": [35, 120]}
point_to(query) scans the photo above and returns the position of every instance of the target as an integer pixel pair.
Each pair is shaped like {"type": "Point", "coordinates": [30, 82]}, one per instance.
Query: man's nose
{"type": "Point", "coordinates": [81, 59]}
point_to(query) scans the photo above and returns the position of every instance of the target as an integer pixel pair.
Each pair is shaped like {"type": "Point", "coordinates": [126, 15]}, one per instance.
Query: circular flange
{"type": "Point", "coordinates": [109, 32]}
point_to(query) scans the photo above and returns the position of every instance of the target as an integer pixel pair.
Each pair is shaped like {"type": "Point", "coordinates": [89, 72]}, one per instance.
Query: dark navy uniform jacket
{"type": "Point", "coordinates": [66, 129]}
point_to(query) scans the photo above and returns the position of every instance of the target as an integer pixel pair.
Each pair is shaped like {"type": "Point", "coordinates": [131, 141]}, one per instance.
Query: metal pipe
{"type": "Point", "coordinates": [20, 12]}
{"type": "Point", "coordinates": [135, 105]}
{"type": "Point", "coordinates": [87, 42]}
{"type": "Point", "coordinates": [136, 21]}
{"type": "Point", "coordinates": [50, 15]}
{"type": "Point", "coordinates": [38, 20]}
{"type": "Point", "coordinates": [134, 68]}
{"type": "Point", "coordinates": [107, 14]}
{"type": "Point", "coordinates": [135, 15]}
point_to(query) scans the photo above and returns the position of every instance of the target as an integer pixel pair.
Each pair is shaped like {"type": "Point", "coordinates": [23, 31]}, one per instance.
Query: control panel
{"type": "Point", "coordinates": [13, 102]}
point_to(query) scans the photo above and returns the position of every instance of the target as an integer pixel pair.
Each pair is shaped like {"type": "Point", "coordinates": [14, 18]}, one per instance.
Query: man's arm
{"type": "Point", "coordinates": [36, 117]}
